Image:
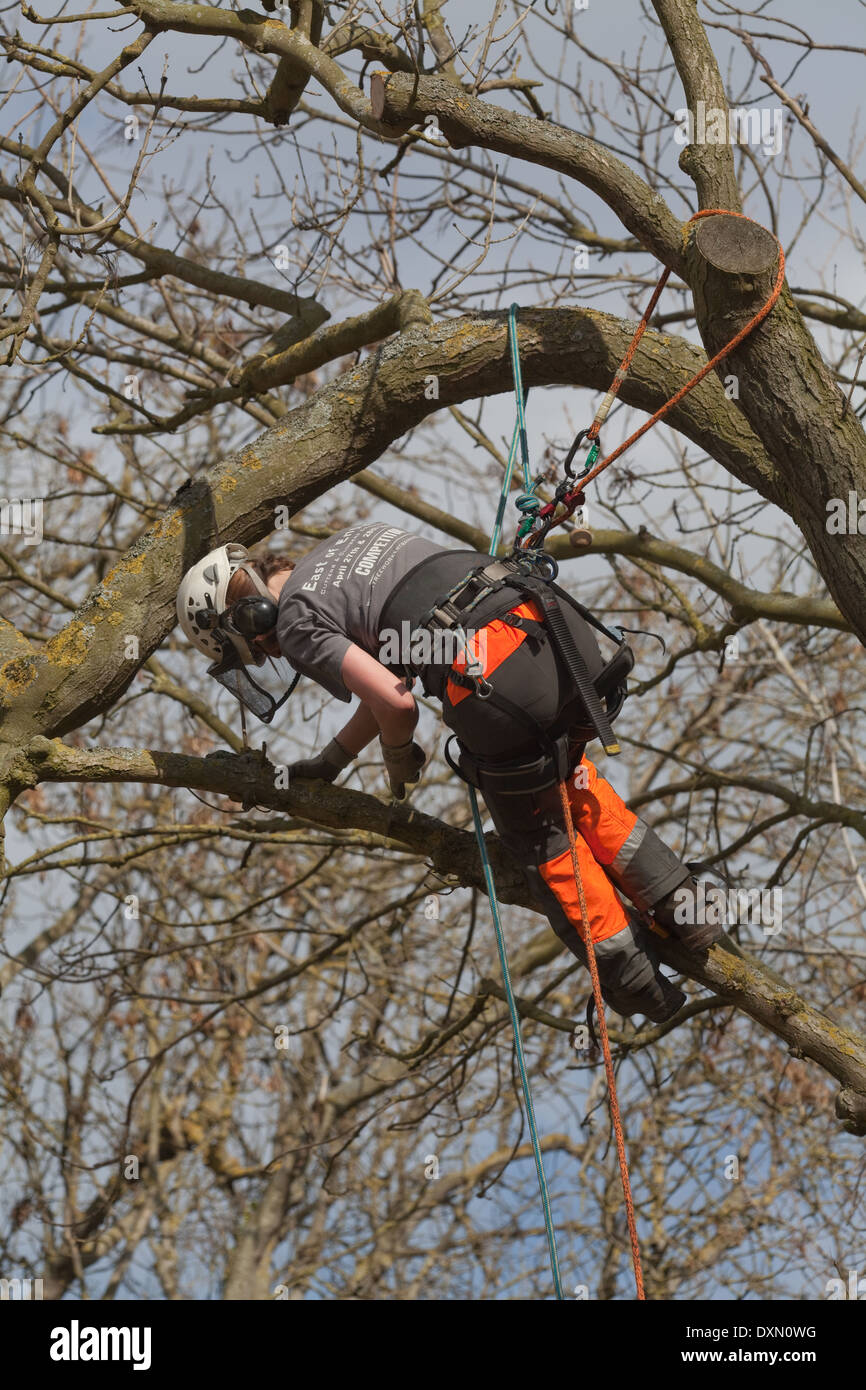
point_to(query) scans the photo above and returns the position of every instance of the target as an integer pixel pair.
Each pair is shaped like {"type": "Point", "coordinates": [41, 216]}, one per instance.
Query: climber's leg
{"type": "Point", "coordinates": [531, 826]}
{"type": "Point", "coordinates": [678, 912]}
{"type": "Point", "coordinates": [638, 862]}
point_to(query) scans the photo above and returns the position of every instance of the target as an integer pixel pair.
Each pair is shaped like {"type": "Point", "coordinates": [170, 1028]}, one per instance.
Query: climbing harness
{"type": "Point", "coordinates": [530, 577]}
{"type": "Point", "coordinates": [535, 774]}
{"type": "Point", "coordinates": [524, 576]}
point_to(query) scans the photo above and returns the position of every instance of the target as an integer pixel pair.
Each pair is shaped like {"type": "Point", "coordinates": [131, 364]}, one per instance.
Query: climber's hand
{"type": "Point", "coordinates": [325, 766]}
{"type": "Point", "coordinates": [403, 764]}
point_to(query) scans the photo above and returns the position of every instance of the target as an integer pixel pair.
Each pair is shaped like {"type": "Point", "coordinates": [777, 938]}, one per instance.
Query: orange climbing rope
{"type": "Point", "coordinates": [571, 499]}
{"type": "Point", "coordinates": [531, 533]}
{"type": "Point", "coordinates": [613, 1100]}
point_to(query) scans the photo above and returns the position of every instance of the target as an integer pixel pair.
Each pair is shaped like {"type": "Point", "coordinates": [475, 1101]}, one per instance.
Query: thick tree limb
{"type": "Point", "coordinates": [403, 101]}
{"type": "Point", "coordinates": [333, 435]}
{"type": "Point", "coordinates": [787, 393]}
{"type": "Point", "coordinates": [265, 372]}
{"type": "Point", "coordinates": [271, 369]}
{"type": "Point", "coordinates": [264, 35]}
{"type": "Point", "coordinates": [292, 76]}
{"type": "Point", "coordinates": [464, 119]}
{"type": "Point", "coordinates": [710, 166]}
{"type": "Point", "coordinates": [757, 990]}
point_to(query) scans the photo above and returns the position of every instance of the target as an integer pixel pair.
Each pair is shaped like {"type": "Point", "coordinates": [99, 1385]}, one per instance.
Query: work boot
{"type": "Point", "coordinates": [631, 978]}
{"type": "Point", "coordinates": [682, 903]}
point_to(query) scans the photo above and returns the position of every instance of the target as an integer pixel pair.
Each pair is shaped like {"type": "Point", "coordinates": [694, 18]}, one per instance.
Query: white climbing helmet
{"type": "Point", "coordinates": [203, 589]}
{"type": "Point", "coordinates": [214, 629]}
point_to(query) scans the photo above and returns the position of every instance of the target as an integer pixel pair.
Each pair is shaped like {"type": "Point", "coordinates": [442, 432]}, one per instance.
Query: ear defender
{"type": "Point", "coordinates": [252, 616]}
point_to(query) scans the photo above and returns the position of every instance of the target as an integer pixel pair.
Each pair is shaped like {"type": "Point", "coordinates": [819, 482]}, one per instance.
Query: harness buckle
{"type": "Point", "coordinates": [474, 666]}
{"type": "Point", "coordinates": [496, 572]}
{"type": "Point", "coordinates": [444, 616]}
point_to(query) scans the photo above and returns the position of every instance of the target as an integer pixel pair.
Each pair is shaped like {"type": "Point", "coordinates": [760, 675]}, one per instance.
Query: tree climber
{"type": "Point", "coordinates": [373, 607]}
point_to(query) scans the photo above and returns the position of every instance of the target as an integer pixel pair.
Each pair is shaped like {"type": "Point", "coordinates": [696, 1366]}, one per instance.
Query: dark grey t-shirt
{"type": "Point", "coordinates": [334, 597]}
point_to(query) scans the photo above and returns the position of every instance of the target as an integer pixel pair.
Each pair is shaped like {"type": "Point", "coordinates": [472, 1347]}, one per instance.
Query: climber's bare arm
{"type": "Point", "coordinates": [359, 731]}
{"type": "Point", "coordinates": [387, 705]}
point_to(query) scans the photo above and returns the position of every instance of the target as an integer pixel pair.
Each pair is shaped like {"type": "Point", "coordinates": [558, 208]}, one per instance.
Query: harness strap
{"type": "Point", "coordinates": [517, 777]}
{"type": "Point", "coordinates": [564, 642]}
{"type": "Point", "coordinates": [553, 748]}
{"type": "Point", "coordinates": [565, 645]}
{"type": "Point", "coordinates": [480, 584]}
{"type": "Point", "coordinates": [499, 575]}
{"type": "Point", "coordinates": [527, 625]}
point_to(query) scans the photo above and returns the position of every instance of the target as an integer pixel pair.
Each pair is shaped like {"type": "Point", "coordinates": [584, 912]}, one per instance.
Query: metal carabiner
{"type": "Point", "coordinates": [578, 440]}
{"type": "Point", "coordinates": [590, 458]}
{"type": "Point", "coordinates": [483, 688]}
{"type": "Point", "coordinates": [547, 562]}
{"type": "Point", "coordinates": [533, 560]}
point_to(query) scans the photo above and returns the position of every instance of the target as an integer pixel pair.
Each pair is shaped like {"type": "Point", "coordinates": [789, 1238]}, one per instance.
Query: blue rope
{"type": "Point", "coordinates": [518, 392]}
{"type": "Point", "coordinates": [506, 488]}
{"type": "Point", "coordinates": [518, 437]}
{"type": "Point", "coordinates": [518, 1044]}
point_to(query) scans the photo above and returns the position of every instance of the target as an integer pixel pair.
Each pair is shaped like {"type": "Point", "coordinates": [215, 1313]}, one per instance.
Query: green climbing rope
{"type": "Point", "coordinates": [518, 393]}
{"type": "Point", "coordinates": [529, 505]}
{"type": "Point", "coordinates": [506, 488]}
{"type": "Point", "coordinates": [527, 501]}
{"type": "Point", "coordinates": [518, 1044]}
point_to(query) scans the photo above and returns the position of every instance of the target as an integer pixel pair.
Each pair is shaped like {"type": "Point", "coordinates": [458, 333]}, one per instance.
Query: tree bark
{"type": "Point", "coordinates": [786, 394]}
{"type": "Point", "coordinates": [347, 425]}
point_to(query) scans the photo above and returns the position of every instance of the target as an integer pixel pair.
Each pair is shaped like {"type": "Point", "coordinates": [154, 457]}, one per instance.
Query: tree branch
{"type": "Point", "coordinates": [404, 101]}
{"type": "Point", "coordinates": [710, 166]}
{"type": "Point", "coordinates": [346, 426]}
{"type": "Point", "coordinates": [725, 969]}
